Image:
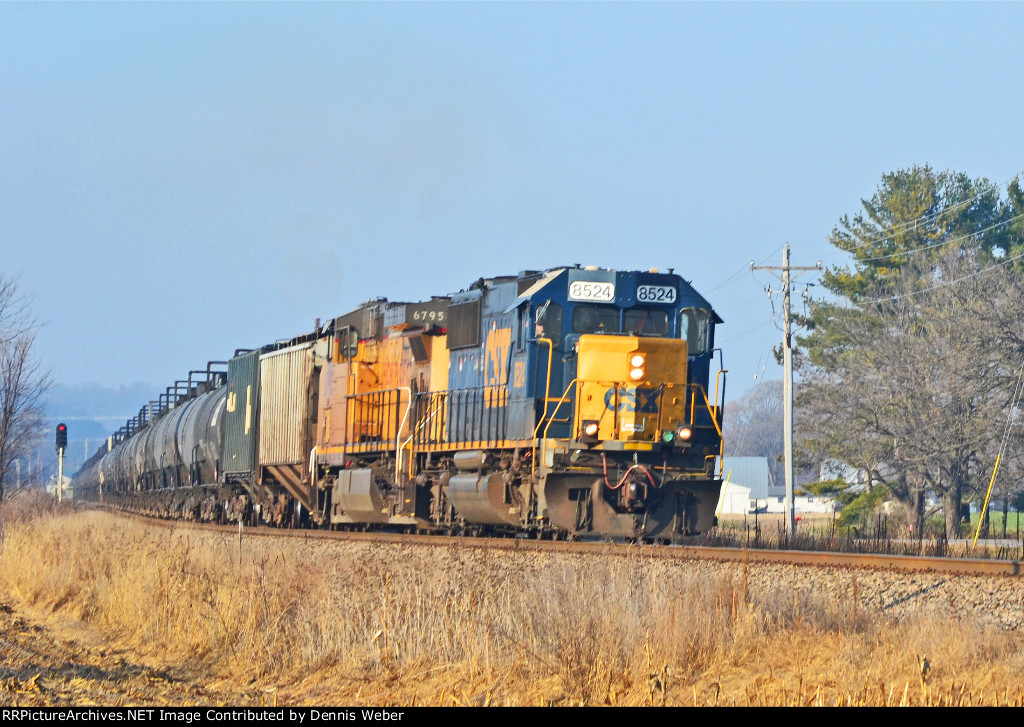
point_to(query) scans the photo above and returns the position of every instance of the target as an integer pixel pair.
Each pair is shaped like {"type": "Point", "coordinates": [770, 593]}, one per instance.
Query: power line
{"type": "Point", "coordinates": [742, 270]}
{"type": "Point", "coordinates": [737, 304]}
{"type": "Point", "coordinates": [752, 330]}
{"type": "Point", "coordinates": [975, 274]}
{"type": "Point", "coordinates": [883, 235]}
{"type": "Point", "coordinates": [931, 216]}
{"type": "Point", "coordinates": [761, 368]}
{"type": "Point", "coordinates": [952, 241]}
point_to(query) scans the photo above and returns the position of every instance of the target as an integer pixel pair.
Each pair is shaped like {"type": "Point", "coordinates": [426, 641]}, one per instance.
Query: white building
{"type": "Point", "coordinates": [734, 500]}
{"type": "Point", "coordinates": [746, 479]}
{"type": "Point", "coordinates": [747, 487]}
{"type": "Point", "coordinates": [69, 490]}
{"type": "Point", "coordinates": [801, 504]}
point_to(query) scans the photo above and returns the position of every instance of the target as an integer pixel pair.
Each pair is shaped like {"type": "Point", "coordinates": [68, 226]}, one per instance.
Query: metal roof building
{"type": "Point", "coordinates": [751, 472]}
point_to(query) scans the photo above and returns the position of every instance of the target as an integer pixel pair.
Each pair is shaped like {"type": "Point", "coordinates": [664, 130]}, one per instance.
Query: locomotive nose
{"type": "Point", "coordinates": [631, 388]}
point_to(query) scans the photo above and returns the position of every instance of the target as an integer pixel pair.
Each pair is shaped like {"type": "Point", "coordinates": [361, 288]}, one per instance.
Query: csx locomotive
{"type": "Point", "coordinates": [571, 402]}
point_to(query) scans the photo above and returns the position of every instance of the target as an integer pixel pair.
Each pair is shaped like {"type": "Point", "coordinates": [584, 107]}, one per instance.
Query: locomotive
{"type": "Point", "coordinates": [572, 402]}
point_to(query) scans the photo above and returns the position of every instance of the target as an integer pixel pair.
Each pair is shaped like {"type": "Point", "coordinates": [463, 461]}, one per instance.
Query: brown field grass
{"type": "Point", "coordinates": [341, 623]}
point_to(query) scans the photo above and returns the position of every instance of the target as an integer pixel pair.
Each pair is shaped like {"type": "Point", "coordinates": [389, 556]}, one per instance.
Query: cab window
{"type": "Point", "coordinates": [646, 322]}
{"type": "Point", "coordinates": [595, 319]}
{"type": "Point", "coordinates": [346, 344]}
{"type": "Point", "coordinates": [549, 322]}
{"type": "Point", "coordinates": [693, 324]}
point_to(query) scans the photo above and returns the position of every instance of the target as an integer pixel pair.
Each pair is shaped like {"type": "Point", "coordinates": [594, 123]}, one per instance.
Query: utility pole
{"type": "Point", "coordinates": [787, 377]}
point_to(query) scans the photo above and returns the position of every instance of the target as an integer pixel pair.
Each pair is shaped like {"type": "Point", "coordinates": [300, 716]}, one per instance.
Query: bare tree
{"type": "Point", "coordinates": [23, 382]}
{"type": "Point", "coordinates": [755, 426]}
{"type": "Point", "coordinates": [915, 386]}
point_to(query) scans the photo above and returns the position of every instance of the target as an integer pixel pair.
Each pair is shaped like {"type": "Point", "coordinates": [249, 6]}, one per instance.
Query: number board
{"type": "Point", "coordinates": [592, 291]}
{"type": "Point", "coordinates": [656, 294]}
{"type": "Point", "coordinates": [422, 315]}
{"type": "Point", "coordinates": [428, 313]}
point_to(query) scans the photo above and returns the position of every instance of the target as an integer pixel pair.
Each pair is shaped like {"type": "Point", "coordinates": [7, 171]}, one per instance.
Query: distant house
{"type": "Point", "coordinates": [747, 488]}
{"type": "Point", "coordinates": [801, 504]}
{"type": "Point", "coordinates": [746, 479]}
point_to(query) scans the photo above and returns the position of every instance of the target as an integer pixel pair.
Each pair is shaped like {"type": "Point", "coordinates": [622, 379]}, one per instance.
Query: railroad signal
{"type": "Point", "coordinates": [62, 445]}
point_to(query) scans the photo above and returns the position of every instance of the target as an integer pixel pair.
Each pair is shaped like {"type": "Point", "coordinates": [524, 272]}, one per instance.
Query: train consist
{"type": "Point", "coordinates": [571, 402]}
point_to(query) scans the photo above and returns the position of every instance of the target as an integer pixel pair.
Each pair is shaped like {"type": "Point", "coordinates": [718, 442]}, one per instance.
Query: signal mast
{"type": "Point", "coordinates": [62, 444]}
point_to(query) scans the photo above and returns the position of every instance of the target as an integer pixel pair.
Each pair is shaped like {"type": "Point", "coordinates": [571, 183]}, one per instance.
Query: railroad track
{"type": "Point", "coordinates": [874, 561]}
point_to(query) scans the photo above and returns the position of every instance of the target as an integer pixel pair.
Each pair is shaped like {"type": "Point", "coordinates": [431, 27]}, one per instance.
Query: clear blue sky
{"type": "Point", "coordinates": [180, 180]}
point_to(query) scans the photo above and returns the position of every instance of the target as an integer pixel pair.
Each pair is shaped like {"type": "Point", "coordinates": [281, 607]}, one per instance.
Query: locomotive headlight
{"type": "Point", "coordinates": [590, 430]}
{"type": "Point", "coordinates": [637, 361]}
{"type": "Point", "coordinates": [685, 433]}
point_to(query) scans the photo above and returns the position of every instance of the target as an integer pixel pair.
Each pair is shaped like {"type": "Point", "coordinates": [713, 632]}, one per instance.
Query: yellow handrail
{"type": "Point", "coordinates": [616, 385]}
{"type": "Point", "coordinates": [548, 419]}
{"type": "Point", "coordinates": [547, 383]}
{"type": "Point", "coordinates": [713, 412]}
{"type": "Point", "coordinates": [718, 376]}
{"type": "Point", "coordinates": [543, 450]}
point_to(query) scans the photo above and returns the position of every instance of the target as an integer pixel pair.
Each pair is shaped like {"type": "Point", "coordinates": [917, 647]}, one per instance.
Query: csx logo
{"type": "Point", "coordinates": [644, 401]}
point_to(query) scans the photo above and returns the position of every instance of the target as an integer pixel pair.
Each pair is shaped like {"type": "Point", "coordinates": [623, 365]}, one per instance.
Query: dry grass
{"type": "Point", "coordinates": [348, 623]}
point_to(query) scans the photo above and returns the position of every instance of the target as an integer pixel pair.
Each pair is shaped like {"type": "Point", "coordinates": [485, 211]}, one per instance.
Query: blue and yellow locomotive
{"type": "Point", "coordinates": [600, 422]}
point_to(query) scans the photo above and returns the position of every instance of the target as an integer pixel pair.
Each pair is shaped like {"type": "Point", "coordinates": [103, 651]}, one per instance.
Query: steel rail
{"type": "Point", "coordinates": [876, 561]}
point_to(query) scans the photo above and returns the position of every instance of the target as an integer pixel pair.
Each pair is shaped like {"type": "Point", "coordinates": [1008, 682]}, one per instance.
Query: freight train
{"type": "Point", "coordinates": [568, 403]}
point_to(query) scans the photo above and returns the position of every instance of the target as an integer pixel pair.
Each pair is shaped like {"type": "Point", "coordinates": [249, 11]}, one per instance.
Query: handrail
{"type": "Point", "coordinates": [719, 415]}
{"type": "Point", "coordinates": [713, 412]}
{"type": "Point", "coordinates": [355, 398]}
{"type": "Point", "coordinates": [720, 375]}
{"type": "Point", "coordinates": [547, 383]}
{"type": "Point", "coordinates": [433, 412]}
{"type": "Point", "coordinates": [398, 434]}
{"type": "Point", "coordinates": [549, 420]}
{"type": "Point", "coordinates": [543, 450]}
{"type": "Point", "coordinates": [616, 387]}
{"type": "Point", "coordinates": [399, 444]}
{"type": "Point", "coordinates": [404, 445]}
{"type": "Point", "coordinates": [483, 407]}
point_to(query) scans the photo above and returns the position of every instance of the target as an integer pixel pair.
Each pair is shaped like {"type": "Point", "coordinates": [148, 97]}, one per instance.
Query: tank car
{"type": "Point", "coordinates": [165, 461]}
{"type": "Point", "coordinates": [571, 402]}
